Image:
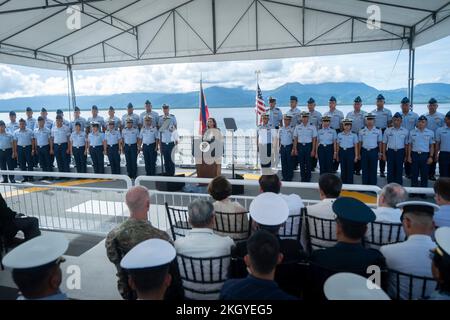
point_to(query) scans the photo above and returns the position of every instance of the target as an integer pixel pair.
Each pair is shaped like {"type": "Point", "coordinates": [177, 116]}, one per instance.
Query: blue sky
{"type": "Point", "coordinates": [375, 69]}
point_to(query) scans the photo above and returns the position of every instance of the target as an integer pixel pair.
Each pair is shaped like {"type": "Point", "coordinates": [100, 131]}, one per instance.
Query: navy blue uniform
{"type": "Point", "coordinates": [42, 139]}
{"type": "Point", "coordinates": [78, 141]}
{"type": "Point", "coordinates": [287, 163]}
{"type": "Point", "coordinates": [369, 139]}
{"type": "Point", "coordinates": [326, 137]}
{"type": "Point", "coordinates": [343, 257]}
{"type": "Point", "coordinates": [443, 139]}
{"type": "Point", "coordinates": [420, 142]}
{"type": "Point", "coordinates": [149, 137]}
{"type": "Point", "coordinates": [96, 150]}
{"type": "Point", "coordinates": [130, 137]}
{"type": "Point", "coordinates": [395, 141]}
{"type": "Point", "coordinates": [60, 146]}
{"type": "Point", "coordinates": [305, 136]}
{"type": "Point", "coordinates": [434, 122]}
{"type": "Point", "coordinates": [113, 139]}
{"type": "Point", "coordinates": [347, 142]}
{"type": "Point", "coordinates": [24, 140]}
{"type": "Point", "coordinates": [252, 288]}
{"type": "Point", "coordinates": [6, 160]}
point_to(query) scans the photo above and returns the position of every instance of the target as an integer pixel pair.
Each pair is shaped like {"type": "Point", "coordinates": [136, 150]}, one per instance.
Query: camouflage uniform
{"type": "Point", "coordinates": [124, 237]}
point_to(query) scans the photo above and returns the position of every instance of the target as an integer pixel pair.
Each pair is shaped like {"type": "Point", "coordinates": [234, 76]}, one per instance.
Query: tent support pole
{"type": "Point", "coordinates": [73, 98]}
{"type": "Point", "coordinates": [412, 61]}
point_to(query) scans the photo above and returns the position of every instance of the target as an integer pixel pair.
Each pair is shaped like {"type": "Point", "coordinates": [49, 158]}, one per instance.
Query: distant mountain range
{"type": "Point", "coordinates": [216, 96]}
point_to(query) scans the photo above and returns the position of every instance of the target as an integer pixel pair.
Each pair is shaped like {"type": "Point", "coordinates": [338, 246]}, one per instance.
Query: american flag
{"type": "Point", "coordinates": [260, 107]}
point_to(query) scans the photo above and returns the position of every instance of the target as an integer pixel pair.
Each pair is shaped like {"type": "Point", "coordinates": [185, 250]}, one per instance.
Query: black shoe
{"type": "Point", "coordinates": [13, 181]}
{"type": "Point", "coordinates": [382, 175]}
{"type": "Point", "coordinates": [432, 178]}
{"type": "Point", "coordinates": [5, 181]}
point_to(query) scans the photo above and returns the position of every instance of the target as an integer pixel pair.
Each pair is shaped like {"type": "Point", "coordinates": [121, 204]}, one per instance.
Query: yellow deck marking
{"type": "Point", "coordinates": [251, 176]}
{"type": "Point", "coordinates": [70, 183]}
{"type": "Point", "coordinates": [360, 196]}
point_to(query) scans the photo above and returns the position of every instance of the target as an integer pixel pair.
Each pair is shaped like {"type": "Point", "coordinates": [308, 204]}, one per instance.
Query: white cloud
{"type": "Point", "coordinates": [375, 69]}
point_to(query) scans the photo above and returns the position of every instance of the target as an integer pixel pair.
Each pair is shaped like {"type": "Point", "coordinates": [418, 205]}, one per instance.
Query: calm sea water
{"type": "Point", "coordinates": [244, 117]}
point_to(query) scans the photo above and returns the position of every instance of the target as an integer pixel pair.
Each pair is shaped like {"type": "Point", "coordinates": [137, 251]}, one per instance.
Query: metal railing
{"type": "Point", "coordinates": [64, 207]}
{"type": "Point", "coordinates": [97, 209]}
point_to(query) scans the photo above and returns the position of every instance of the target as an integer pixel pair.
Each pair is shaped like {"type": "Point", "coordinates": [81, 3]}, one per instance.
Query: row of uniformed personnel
{"type": "Point", "coordinates": [358, 143]}
{"type": "Point", "coordinates": [46, 140]}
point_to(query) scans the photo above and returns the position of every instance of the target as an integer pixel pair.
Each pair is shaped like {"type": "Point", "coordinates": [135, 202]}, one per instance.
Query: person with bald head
{"type": "Point", "coordinates": [134, 230]}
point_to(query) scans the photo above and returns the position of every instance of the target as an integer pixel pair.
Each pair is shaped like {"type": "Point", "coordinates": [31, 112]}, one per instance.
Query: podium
{"type": "Point", "coordinates": [206, 162]}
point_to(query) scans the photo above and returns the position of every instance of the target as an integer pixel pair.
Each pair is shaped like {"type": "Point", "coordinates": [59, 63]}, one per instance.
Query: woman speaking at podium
{"type": "Point", "coordinates": [212, 151]}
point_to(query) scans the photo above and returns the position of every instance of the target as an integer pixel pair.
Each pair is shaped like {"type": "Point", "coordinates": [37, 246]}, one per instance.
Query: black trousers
{"type": "Point", "coordinates": [287, 162]}
{"type": "Point", "coordinates": [369, 160]}
{"type": "Point", "coordinates": [169, 165]}
{"type": "Point", "coordinates": [25, 158]}
{"type": "Point", "coordinates": [395, 160]}
{"type": "Point", "coordinates": [432, 169]}
{"type": "Point", "coordinates": [325, 155]}
{"type": "Point", "coordinates": [444, 164]}
{"type": "Point", "coordinates": [150, 154]}
{"type": "Point", "coordinates": [336, 163]}
{"type": "Point", "coordinates": [98, 159]}
{"type": "Point", "coordinates": [80, 158]}
{"type": "Point", "coordinates": [62, 158]}
{"type": "Point", "coordinates": [131, 157]}
{"type": "Point", "coordinates": [347, 160]}
{"type": "Point", "coordinates": [382, 162]}
{"type": "Point", "coordinates": [43, 153]}
{"type": "Point", "coordinates": [28, 225]}
{"type": "Point", "coordinates": [419, 167]}
{"type": "Point", "coordinates": [114, 158]}
{"type": "Point", "coordinates": [304, 158]}
{"type": "Point", "coordinates": [6, 162]}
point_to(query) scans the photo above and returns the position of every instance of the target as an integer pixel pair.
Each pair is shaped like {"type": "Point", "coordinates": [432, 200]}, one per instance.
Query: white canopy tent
{"type": "Point", "coordinates": [134, 32]}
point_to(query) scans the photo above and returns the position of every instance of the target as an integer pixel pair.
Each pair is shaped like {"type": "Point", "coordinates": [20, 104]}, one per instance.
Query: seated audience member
{"type": "Point", "coordinates": [390, 196]}
{"type": "Point", "coordinates": [441, 264]}
{"type": "Point", "coordinates": [272, 183]}
{"type": "Point", "coordinates": [35, 267]}
{"type": "Point", "coordinates": [147, 265]}
{"type": "Point", "coordinates": [413, 255]}
{"type": "Point", "coordinates": [387, 212]}
{"type": "Point", "coordinates": [348, 255]}
{"type": "Point", "coordinates": [269, 212]}
{"type": "Point", "coordinates": [263, 256]}
{"type": "Point", "coordinates": [133, 231]}
{"type": "Point", "coordinates": [442, 197]}
{"type": "Point", "coordinates": [330, 187]}
{"type": "Point", "coordinates": [220, 190]}
{"type": "Point", "coordinates": [202, 242]}
{"type": "Point", "coordinates": [11, 222]}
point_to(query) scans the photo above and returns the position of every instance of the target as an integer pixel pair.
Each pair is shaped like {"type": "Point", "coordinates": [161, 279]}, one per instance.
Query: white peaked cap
{"type": "Point", "coordinates": [350, 286]}
{"type": "Point", "coordinates": [269, 209]}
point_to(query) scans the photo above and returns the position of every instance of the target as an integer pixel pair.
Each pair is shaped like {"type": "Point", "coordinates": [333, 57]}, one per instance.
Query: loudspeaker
{"type": "Point", "coordinates": [237, 189]}
{"type": "Point", "coordinates": [169, 186]}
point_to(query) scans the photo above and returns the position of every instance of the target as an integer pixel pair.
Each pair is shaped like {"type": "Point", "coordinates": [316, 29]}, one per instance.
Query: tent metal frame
{"type": "Point", "coordinates": [408, 34]}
